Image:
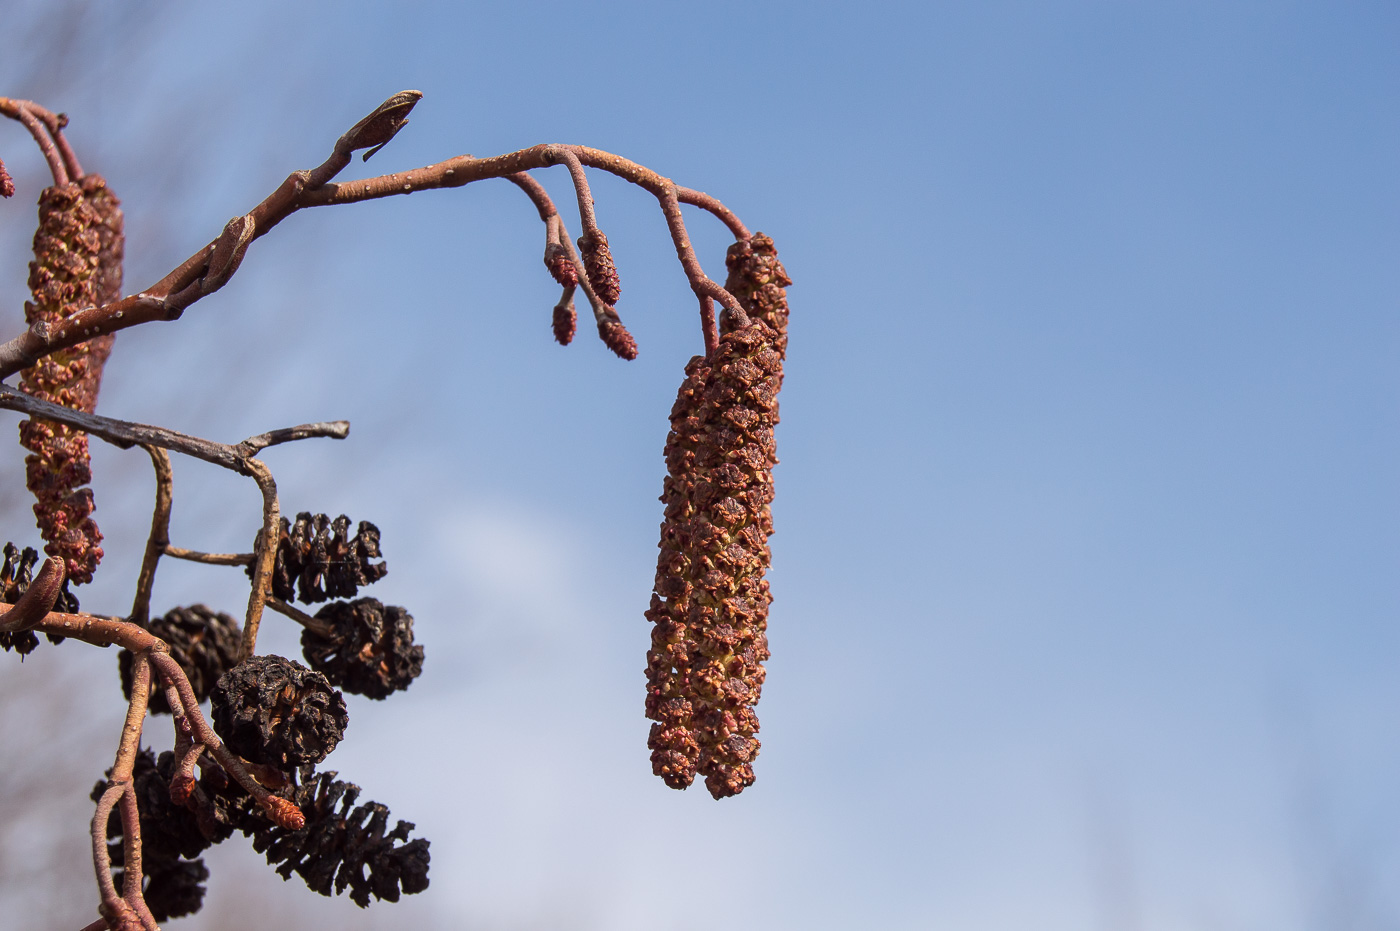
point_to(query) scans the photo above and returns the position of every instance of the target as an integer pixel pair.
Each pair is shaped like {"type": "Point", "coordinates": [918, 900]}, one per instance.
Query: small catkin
{"type": "Point", "coordinates": [565, 321]}
{"type": "Point", "coordinates": [560, 265]}
{"type": "Point", "coordinates": [710, 605]}
{"type": "Point", "coordinates": [7, 184]}
{"type": "Point", "coordinates": [598, 263]}
{"type": "Point", "coordinates": [615, 336]}
{"type": "Point", "coordinates": [77, 264]}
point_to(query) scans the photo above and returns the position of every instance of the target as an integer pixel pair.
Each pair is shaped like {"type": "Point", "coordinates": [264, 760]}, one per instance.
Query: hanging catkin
{"type": "Point", "coordinates": [710, 605]}
{"type": "Point", "coordinates": [77, 264]}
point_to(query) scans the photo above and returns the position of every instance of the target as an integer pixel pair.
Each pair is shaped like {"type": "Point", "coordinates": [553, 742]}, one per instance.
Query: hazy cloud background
{"type": "Point", "coordinates": [1086, 555]}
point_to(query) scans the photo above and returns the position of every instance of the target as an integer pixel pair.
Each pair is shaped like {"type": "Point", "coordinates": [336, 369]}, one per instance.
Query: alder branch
{"type": "Point", "coordinates": [159, 537]}
{"type": "Point", "coordinates": [126, 434]}
{"type": "Point", "coordinates": [208, 269]}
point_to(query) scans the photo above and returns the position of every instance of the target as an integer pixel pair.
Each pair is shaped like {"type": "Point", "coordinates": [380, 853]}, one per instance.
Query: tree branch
{"type": "Point", "coordinates": [159, 538]}
{"type": "Point", "coordinates": [210, 268]}
{"type": "Point", "coordinates": [126, 434]}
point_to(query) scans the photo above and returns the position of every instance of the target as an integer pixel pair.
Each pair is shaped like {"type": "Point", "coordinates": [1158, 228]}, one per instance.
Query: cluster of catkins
{"type": "Point", "coordinates": [77, 264]}
{"type": "Point", "coordinates": [710, 604]}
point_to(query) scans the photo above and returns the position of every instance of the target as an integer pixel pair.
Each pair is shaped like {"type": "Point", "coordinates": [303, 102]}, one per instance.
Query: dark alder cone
{"type": "Point", "coordinates": [77, 264]}
{"type": "Point", "coordinates": [317, 559]}
{"type": "Point", "coordinates": [598, 263]}
{"type": "Point", "coordinates": [340, 846]}
{"type": "Point", "coordinates": [171, 840]}
{"type": "Point", "coordinates": [273, 710]}
{"type": "Point", "coordinates": [710, 605]}
{"type": "Point", "coordinates": [370, 650]}
{"type": "Point", "coordinates": [15, 575]}
{"type": "Point", "coordinates": [565, 322]}
{"type": "Point", "coordinates": [204, 642]}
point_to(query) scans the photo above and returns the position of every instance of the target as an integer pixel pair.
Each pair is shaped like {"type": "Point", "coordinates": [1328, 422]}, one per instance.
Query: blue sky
{"type": "Point", "coordinates": [1085, 570]}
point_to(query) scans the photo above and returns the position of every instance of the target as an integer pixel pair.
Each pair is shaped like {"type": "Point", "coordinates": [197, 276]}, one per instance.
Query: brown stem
{"type": "Point", "coordinates": [101, 859]}
{"type": "Point", "coordinates": [127, 750]}
{"type": "Point", "coordinates": [315, 624]}
{"type": "Point", "coordinates": [211, 559]}
{"type": "Point", "coordinates": [585, 197]}
{"type": "Point", "coordinates": [135, 716]}
{"type": "Point", "coordinates": [334, 429]}
{"type": "Point", "coordinates": [160, 534]}
{"type": "Point", "coordinates": [98, 631]}
{"type": "Point", "coordinates": [706, 202]}
{"type": "Point", "coordinates": [265, 553]}
{"type": "Point", "coordinates": [126, 434]}
{"type": "Point", "coordinates": [37, 600]}
{"type": "Point", "coordinates": [31, 115]}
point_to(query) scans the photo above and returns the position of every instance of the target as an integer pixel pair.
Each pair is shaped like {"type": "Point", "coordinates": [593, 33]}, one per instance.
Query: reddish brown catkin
{"type": "Point", "coordinates": [77, 263]}
{"type": "Point", "coordinates": [710, 606]}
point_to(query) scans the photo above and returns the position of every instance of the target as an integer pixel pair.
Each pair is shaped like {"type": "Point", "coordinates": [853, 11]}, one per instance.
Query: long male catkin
{"type": "Point", "coordinates": [710, 604]}
{"type": "Point", "coordinates": [77, 263]}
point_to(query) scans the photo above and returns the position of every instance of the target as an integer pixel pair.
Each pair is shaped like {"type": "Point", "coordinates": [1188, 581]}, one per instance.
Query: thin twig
{"type": "Point", "coordinates": [706, 202]}
{"type": "Point", "coordinates": [586, 217]}
{"type": "Point", "coordinates": [132, 873]}
{"type": "Point", "coordinates": [32, 116]}
{"type": "Point", "coordinates": [101, 859]}
{"type": "Point", "coordinates": [315, 624]}
{"type": "Point", "coordinates": [160, 534]}
{"type": "Point", "coordinates": [126, 434]}
{"type": "Point", "coordinates": [211, 559]}
{"type": "Point", "coordinates": [265, 553]}
{"type": "Point", "coordinates": [127, 749]}
{"type": "Point", "coordinates": [333, 429]}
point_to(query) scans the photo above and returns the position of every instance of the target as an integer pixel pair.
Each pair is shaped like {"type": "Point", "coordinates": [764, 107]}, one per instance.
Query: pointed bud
{"type": "Point", "coordinates": [374, 131]}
